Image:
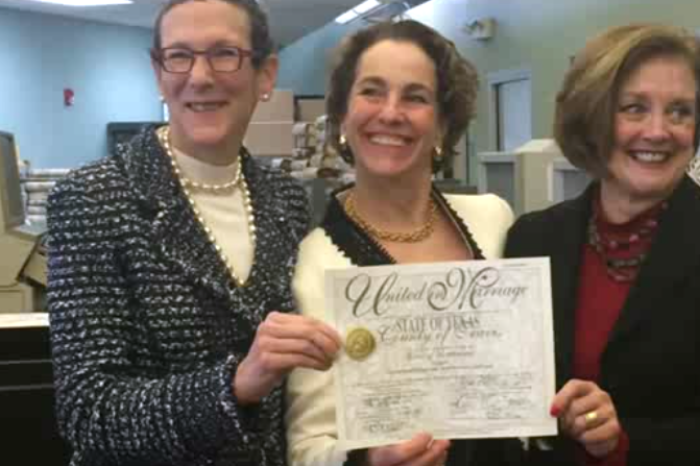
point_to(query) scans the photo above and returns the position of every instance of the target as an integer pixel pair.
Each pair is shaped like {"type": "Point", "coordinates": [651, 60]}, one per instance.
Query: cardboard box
{"type": "Point", "coordinates": [280, 107]}
{"type": "Point", "coordinates": [270, 138]}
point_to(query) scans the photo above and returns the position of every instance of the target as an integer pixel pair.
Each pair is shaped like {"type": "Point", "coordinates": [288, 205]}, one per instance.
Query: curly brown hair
{"type": "Point", "coordinates": [584, 120]}
{"type": "Point", "coordinates": [457, 79]}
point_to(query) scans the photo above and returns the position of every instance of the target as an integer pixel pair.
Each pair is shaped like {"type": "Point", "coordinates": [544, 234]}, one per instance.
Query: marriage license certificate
{"type": "Point", "coordinates": [459, 350]}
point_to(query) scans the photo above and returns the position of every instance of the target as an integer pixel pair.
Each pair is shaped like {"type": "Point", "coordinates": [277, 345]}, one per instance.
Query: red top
{"type": "Point", "coordinates": [600, 300]}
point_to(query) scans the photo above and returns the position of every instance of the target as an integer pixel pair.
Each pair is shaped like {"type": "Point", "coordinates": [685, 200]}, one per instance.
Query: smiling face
{"type": "Point", "coordinates": [654, 129]}
{"type": "Point", "coordinates": [391, 123]}
{"type": "Point", "coordinates": [210, 111]}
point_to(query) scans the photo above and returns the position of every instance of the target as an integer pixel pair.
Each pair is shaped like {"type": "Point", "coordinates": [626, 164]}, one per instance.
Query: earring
{"type": "Point", "coordinates": [265, 97]}
{"type": "Point", "coordinates": [437, 155]}
{"type": "Point", "coordinates": [345, 152]}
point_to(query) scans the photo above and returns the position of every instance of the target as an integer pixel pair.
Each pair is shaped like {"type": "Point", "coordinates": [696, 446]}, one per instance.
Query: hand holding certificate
{"type": "Point", "coordinates": [460, 350]}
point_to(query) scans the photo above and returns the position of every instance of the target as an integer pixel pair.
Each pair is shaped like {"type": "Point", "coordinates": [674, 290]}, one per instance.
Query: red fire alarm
{"type": "Point", "coordinates": [68, 97]}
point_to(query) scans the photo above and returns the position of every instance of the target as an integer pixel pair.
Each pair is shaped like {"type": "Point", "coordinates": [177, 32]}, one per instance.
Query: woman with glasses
{"type": "Point", "coordinates": [170, 267]}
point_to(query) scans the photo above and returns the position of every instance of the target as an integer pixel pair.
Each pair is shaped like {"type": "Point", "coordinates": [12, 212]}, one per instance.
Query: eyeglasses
{"type": "Point", "coordinates": [221, 59]}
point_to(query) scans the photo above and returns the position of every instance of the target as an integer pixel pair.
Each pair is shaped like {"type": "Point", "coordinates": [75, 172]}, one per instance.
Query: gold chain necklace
{"type": "Point", "coordinates": [415, 236]}
{"type": "Point", "coordinates": [163, 134]}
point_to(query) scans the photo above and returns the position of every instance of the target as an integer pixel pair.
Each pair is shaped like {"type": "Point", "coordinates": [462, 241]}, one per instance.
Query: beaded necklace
{"type": "Point", "coordinates": [164, 138]}
{"type": "Point", "coordinates": [623, 255]}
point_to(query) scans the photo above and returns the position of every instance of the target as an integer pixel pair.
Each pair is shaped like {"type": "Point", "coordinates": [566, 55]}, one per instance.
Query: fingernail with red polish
{"type": "Point", "coordinates": [554, 411]}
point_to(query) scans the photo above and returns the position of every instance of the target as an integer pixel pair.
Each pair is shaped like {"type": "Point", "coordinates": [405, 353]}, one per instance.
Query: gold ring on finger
{"type": "Point", "coordinates": [590, 417]}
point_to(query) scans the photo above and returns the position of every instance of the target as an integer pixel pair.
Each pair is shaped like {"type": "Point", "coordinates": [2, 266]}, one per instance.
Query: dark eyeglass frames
{"type": "Point", "coordinates": [221, 59]}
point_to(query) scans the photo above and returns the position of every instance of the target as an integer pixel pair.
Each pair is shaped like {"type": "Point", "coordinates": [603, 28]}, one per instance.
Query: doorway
{"type": "Point", "coordinates": [510, 109]}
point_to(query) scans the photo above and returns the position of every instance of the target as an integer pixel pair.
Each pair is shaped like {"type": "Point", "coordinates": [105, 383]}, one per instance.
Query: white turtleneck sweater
{"type": "Point", "coordinates": [224, 213]}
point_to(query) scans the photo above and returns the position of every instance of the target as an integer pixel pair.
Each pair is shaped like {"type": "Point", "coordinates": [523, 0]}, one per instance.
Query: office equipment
{"type": "Point", "coordinates": [496, 174]}
{"type": "Point", "coordinates": [28, 431]}
{"type": "Point", "coordinates": [23, 265]}
{"type": "Point", "coordinates": [522, 177]}
{"type": "Point", "coordinates": [566, 181]}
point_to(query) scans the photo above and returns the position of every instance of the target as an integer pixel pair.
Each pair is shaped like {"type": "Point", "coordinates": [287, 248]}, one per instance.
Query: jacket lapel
{"type": "Point", "coordinates": [668, 262]}
{"type": "Point", "coordinates": [567, 244]}
{"type": "Point", "coordinates": [178, 236]}
{"type": "Point", "coordinates": [272, 225]}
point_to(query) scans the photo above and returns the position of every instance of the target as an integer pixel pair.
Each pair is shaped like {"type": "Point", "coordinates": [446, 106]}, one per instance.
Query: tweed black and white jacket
{"type": "Point", "coordinates": [147, 327]}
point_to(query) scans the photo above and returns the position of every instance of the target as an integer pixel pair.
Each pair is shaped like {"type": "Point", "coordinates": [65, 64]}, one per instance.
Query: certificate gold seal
{"type": "Point", "coordinates": [359, 343]}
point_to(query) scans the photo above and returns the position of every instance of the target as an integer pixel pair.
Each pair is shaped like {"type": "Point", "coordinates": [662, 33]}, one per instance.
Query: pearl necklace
{"type": "Point", "coordinates": [213, 188]}
{"type": "Point", "coordinates": [414, 236]}
{"type": "Point", "coordinates": [163, 134]}
{"type": "Point", "coordinates": [206, 187]}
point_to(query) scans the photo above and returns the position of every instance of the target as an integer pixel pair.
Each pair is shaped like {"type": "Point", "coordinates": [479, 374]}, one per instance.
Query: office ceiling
{"type": "Point", "coordinates": [289, 19]}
